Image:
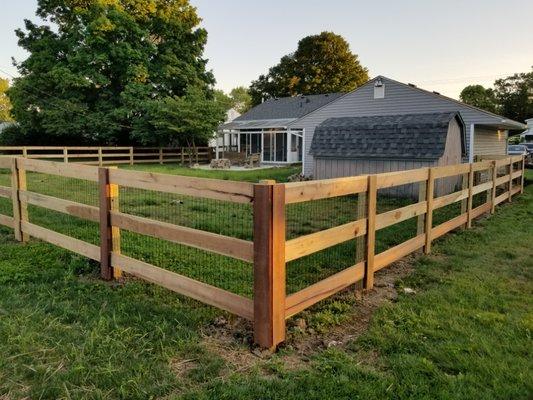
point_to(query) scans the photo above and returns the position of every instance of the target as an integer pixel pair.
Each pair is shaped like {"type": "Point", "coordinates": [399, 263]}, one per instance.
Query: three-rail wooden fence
{"type": "Point", "coordinates": [270, 251]}
{"type": "Point", "coordinates": [109, 155]}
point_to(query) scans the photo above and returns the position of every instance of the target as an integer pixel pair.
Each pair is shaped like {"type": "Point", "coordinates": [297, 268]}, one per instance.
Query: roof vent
{"type": "Point", "coordinates": [379, 89]}
{"type": "Point", "coordinates": [412, 84]}
{"type": "Point", "coordinates": [308, 100]}
{"type": "Point", "coordinates": [436, 93]}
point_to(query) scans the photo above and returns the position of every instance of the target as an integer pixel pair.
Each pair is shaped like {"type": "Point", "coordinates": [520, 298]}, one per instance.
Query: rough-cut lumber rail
{"type": "Point", "coordinates": [397, 252]}
{"type": "Point", "coordinates": [77, 246]}
{"type": "Point", "coordinates": [479, 210]}
{"type": "Point", "coordinates": [233, 191]}
{"type": "Point", "coordinates": [7, 221]}
{"type": "Point", "coordinates": [517, 174]}
{"type": "Point", "coordinates": [397, 178]}
{"type": "Point", "coordinates": [309, 244]}
{"type": "Point", "coordinates": [502, 180]}
{"type": "Point", "coordinates": [213, 242]}
{"type": "Point", "coordinates": [451, 170]}
{"type": "Point", "coordinates": [62, 169]}
{"type": "Point", "coordinates": [483, 187]}
{"type": "Point", "coordinates": [503, 162]}
{"type": "Point", "coordinates": [448, 199]}
{"type": "Point", "coordinates": [305, 298]}
{"type": "Point", "coordinates": [200, 291]}
{"type": "Point", "coordinates": [5, 191]}
{"type": "Point", "coordinates": [297, 192]}
{"type": "Point", "coordinates": [502, 197]}
{"type": "Point", "coordinates": [397, 215]}
{"type": "Point", "coordinates": [449, 225]}
{"type": "Point", "coordinates": [482, 165]}
{"type": "Point", "coordinates": [516, 190]}
{"type": "Point", "coordinates": [5, 162]}
{"type": "Point", "coordinates": [75, 209]}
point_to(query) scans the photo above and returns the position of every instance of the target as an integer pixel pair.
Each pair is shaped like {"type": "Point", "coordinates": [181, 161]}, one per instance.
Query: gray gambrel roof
{"type": "Point", "coordinates": [412, 136]}
{"type": "Point", "coordinates": [288, 107]}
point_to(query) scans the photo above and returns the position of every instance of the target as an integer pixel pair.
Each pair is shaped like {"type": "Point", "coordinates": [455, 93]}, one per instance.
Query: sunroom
{"type": "Point", "coordinates": [273, 140]}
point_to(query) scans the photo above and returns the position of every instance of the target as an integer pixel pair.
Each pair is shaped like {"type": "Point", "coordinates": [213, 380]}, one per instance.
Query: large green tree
{"type": "Point", "coordinates": [478, 96]}
{"type": "Point", "coordinates": [97, 74]}
{"type": "Point", "coordinates": [515, 96]}
{"type": "Point", "coordinates": [321, 64]}
{"type": "Point", "coordinates": [5, 104]}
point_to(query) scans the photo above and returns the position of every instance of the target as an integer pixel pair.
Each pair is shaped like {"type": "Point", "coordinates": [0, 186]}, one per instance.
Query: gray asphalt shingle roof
{"type": "Point", "coordinates": [413, 136]}
{"type": "Point", "coordinates": [288, 107]}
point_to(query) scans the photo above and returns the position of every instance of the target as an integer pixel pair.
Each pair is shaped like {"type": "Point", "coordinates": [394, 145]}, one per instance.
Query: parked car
{"type": "Point", "coordinates": [517, 150]}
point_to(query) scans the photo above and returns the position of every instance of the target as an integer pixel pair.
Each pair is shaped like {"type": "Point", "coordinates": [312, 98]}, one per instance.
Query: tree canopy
{"type": "Point", "coordinates": [511, 97]}
{"type": "Point", "coordinates": [478, 96]}
{"type": "Point", "coordinates": [322, 63]}
{"type": "Point", "coordinates": [108, 69]}
{"type": "Point", "coordinates": [5, 104]}
{"type": "Point", "coordinates": [515, 96]}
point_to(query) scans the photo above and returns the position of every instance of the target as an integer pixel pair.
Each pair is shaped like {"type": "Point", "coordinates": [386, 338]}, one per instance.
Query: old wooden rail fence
{"type": "Point", "coordinates": [93, 155]}
{"type": "Point", "coordinates": [270, 251]}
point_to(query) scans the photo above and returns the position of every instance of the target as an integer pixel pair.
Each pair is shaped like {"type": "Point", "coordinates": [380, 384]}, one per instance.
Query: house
{"type": "Point", "coordinates": [274, 126]}
{"type": "Point", "coordinates": [218, 140]}
{"type": "Point", "coordinates": [349, 146]}
{"type": "Point", "coordinates": [266, 128]}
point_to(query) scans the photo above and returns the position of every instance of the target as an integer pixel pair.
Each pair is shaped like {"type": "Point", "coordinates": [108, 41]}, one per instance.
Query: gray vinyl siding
{"type": "Point", "coordinates": [489, 142]}
{"type": "Point", "coordinates": [399, 99]}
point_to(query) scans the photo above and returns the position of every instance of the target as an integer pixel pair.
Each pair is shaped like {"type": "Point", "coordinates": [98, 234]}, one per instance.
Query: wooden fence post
{"type": "Point", "coordinates": [269, 264]}
{"type": "Point", "coordinates": [510, 179]}
{"type": "Point", "coordinates": [464, 203]}
{"type": "Point", "coordinates": [370, 232]}
{"type": "Point", "coordinates": [493, 194]}
{"type": "Point", "coordinates": [161, 155]}
{"type": "Point", "coordinates": [522, 176]}
{"type": "Point", "coordinates": [131, 155]}
{"type": "Point", "coordinates": [24, 152]}
{"type": "Point", "coordinates": [65, 155]}
{"type": "Point", "coordinates": [20, 208]}
{"type": "Point", "coordinates": [360, 242]}
{"type": "Point", "coordinates": [109, 235]}
{"type": "Point", "coordinates": [182, 156]}
{"type": "Point", "coordinates": [470, 196]}
{"type": "Point", "coordinates": [430, 192]}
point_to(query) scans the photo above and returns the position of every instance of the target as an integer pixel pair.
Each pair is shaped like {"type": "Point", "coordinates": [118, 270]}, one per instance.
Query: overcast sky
{"type": "Point", "coordinates": [438, 45]}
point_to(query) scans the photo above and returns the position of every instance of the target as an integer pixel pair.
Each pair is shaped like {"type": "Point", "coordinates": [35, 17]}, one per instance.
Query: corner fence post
{"type": "Point", "coordinates": [430, 193]}
{"type": "Point", "coordinates": [20, 208]}
{"type": "Point", "coordinates": [368, 280]}
{"type": "Point", "coordinates": [109, 235]}
{"type": "Point", "coordinates": [269, 264]}
{"type": "Point", "coordinates": [493, 193]}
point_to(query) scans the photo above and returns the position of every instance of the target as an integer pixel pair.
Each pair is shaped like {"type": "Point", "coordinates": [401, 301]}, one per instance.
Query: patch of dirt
{"type": "Point", "coordinates": [231, 337]}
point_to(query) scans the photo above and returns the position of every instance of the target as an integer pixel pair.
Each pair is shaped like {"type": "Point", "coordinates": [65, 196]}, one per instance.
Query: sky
{"type": "Point", "coordinates": [437, 45]}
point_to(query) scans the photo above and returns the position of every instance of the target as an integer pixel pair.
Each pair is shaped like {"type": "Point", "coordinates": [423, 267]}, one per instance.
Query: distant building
{"type": "Point", "coordinates": [527, 135]}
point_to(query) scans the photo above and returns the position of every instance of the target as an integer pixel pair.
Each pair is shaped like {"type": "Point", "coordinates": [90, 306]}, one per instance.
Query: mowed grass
{"type": "Point", "coordinates": [66, 334]}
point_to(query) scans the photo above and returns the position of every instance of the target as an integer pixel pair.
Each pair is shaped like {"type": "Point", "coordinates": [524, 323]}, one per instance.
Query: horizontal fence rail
{"type": "Point", "coordinates": [92, 155]}
{"type": "Point", "coordinates": [269, 251]}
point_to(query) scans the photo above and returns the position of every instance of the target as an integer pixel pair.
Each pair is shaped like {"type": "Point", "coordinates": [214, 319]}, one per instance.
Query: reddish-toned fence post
{"type": "Point", "coordinates": [269, 264]}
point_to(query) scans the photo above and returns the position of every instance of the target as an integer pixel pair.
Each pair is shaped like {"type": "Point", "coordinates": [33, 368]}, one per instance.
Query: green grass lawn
{"type": "Point", "coordinates": [66, 334]}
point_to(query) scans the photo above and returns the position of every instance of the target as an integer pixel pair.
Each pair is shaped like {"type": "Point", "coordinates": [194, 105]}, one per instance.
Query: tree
{"type": "Point", "coordinates": [321, 64]}
{"type": "Point", "coordinates": [183, 120]}
{"type": "Point", "coordinates": [515, 96]}
{"type": "Point", "coordinates": [242, 101]}
{"type": "Point", "coordinates": [95, 76]}
{"type": "Point", "coordinates": [478, 96]}
{"type": "Point", "coordinates": [5, 104]}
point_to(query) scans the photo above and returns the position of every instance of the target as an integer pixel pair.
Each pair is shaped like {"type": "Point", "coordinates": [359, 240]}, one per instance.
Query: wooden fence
{"type": "Point", "coordinates": [269, 251]}
{"type": "Point", "coordinates": [112, 155]}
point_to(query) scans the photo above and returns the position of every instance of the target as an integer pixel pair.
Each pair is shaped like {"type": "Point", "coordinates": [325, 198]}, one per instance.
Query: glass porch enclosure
{"type": "Point", "coordinates": [276, 145]}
